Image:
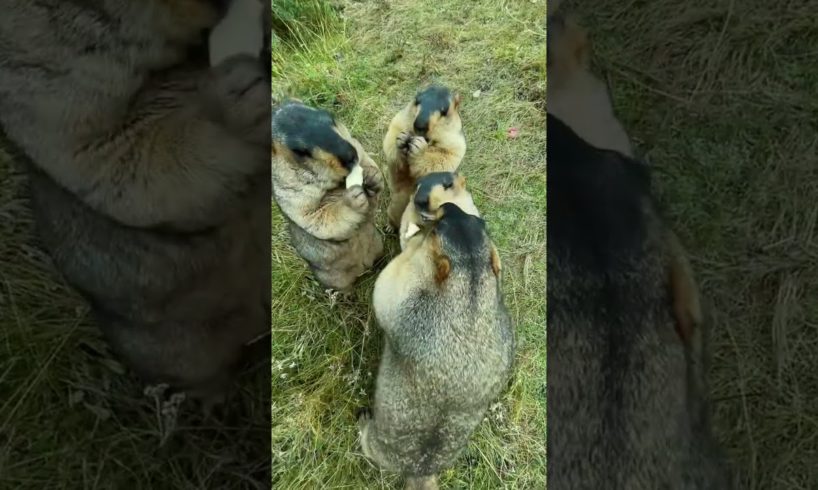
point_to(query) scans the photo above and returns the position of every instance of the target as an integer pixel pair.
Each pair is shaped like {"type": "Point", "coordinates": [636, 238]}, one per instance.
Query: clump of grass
{"type": "Point", "coordinates": [297, 22]}
{"type": "Point", "coordinates": [325, 353]}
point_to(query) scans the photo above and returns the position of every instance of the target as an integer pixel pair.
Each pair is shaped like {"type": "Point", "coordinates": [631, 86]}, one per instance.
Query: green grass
{"type": "Point", "coordinates": [720, 97]}
{"type": "Point", "coordinates": [301, 21]}
{"type": "Point", "coordinates": [365, 62]}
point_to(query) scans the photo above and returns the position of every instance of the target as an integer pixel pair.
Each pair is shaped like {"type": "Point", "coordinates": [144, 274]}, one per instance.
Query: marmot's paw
{"type": "Point", "coordinates": [357, 199]}
{"type": "Point", "coordinates": [417, 145]}
{"type": "Point", "coordinates": [242, 94]}
{"type": "Point", "coordinates": [336, 295]}
{"type": "Point", "coordinates": [373, 181]}
{"type": "Point", "coordinates": [363, 415]}
{"type": "Point", "coordinates": [403, 141]}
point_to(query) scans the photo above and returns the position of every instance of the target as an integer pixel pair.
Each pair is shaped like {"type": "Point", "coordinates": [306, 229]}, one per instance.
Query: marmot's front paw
{"type": "Point", "coordinates": [373, 181]}
{"type": "Point", "coordinates": [403, 141]}
{"type": "Point", "coordinates": [417, 145]}
{"type": "Point", "coordinates": [356, 198]}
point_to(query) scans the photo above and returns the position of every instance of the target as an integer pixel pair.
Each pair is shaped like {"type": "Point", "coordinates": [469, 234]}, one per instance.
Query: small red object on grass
{"type": "Point", "coordinates": [513, 133]}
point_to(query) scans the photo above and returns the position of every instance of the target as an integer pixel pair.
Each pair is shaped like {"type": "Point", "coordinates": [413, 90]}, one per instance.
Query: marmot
{"type": "Point", "coordinates": [425, 137]}
{"type": "Point", "coordinates": [330, 215]}
{"type": "Point", "coordinates": [449, 347]}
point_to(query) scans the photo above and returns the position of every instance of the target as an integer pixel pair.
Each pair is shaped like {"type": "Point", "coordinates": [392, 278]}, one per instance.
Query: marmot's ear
{"type": "Point", "coordinates": [443, 267]}
{"type": "Point", "coordinates": [456, 101]}
{"type": "Point", "coordinates": [686, 306]}
{"type": "Point", "coordinates": [495, 261]}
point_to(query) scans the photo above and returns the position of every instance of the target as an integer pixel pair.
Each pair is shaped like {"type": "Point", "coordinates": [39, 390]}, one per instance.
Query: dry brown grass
{"type": "Point", "coordinates": [721, 98]}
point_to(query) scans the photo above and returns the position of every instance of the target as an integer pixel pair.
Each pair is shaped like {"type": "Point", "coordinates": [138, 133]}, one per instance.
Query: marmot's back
{"type": "Point", "coordinates": [618, 373]}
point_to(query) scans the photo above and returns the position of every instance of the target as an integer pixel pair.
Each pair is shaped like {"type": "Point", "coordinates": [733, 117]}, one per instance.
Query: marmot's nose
{"type": "Point", "coordinates": [421, 126]}
{"type": "Point", "coordinates": [422, 201]}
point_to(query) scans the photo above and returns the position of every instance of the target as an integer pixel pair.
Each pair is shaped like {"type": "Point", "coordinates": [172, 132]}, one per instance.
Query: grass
{"type": "Point", "coordinates": [70, 417]}
{"type": "Point", "coordinates": [363, 62]}
{"type": "Point", "coordinates": [720, 97]}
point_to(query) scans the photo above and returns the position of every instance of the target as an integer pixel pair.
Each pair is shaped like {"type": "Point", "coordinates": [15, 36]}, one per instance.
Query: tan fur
{"type": "Point", "coordinates": [442, 264]}
{"type": "Point", "coordinates": [413, 262]}
{"type": "Point", "coordinates": [575, 94]}
{"type": "Point", "coordinates": [442, 152]}
{"type": "Point", "coordinates": [103, 97]}
{"type": "Point", "coordinates": [423, 483]}
{"type": "Point", "coordinates": [686, 303]}
{"type": "Point", "coordinates": [496, 266]}
{"type": "Point", "coordinates": [331, 227]}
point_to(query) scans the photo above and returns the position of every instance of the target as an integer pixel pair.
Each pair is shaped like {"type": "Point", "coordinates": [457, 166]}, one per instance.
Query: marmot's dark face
{"type": "Point", "coordinates": [436, 113]}
{"type": "Point", "coordinates": [433, 190]}
{"type": "Point", "coordinates": [313, 139]}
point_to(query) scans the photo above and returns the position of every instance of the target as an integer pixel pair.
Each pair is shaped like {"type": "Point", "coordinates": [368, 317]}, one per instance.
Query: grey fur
{"type": "Point", "coordinates": [627, 396]}
{"type": "Point", "coordinates": [628, 413]}
{"type": "Point", "coordinates": [147, 175]}
{"type": "Point", "coordinates": [103, 96]}
{"type": "Point", "coordinates": [177, 307]}
{"type": "Point", "coordinates": [448, 354]}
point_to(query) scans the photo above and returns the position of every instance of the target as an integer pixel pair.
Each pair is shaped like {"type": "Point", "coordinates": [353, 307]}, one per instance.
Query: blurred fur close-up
{"type": "Point", "coordinates": [719, 98]}
{"type": "Point", "coordinates": [134, 237]}
{"type": "Point", "coordinates": [363, 62]}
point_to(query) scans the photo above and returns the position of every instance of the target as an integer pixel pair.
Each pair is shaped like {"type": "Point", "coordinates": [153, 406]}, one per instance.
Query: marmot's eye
{"type": "Point", "coordinates": [448, 185]}
{"type": "Point", "coordinates": [444, 112]}
{"type": "Point", "coordinates": [417, 101]}
{"type": "Point", "coordinates": [301, 153]}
